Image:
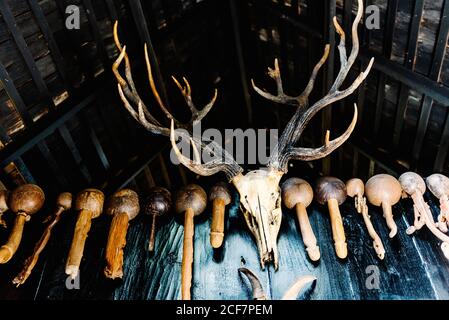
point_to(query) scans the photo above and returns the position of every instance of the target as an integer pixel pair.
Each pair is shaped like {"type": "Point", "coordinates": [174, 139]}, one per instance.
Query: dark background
{"type": "Point", "coordinates": [62, 125]}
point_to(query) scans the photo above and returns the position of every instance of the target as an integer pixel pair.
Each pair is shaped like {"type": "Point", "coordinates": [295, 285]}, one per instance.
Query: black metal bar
{"type": "Point", "coordinates": [23, 48]}
{"type": "Point", "coordinates": [48, 35]}
{"type": "Point", "coordinates": [96, 32]}
{"type": "Point", "coordinates": [68, 140]}
{"type": "Point", "coordinates": [443, 149]}
{"type": "Point", "coordinates": [41, 130]}
{"type": "Point", "coordinates": [52, 163]}
{"type": "Point", "coordinates": [409, 63]}
{"type": "Point", "coordinates": [112, 10]}
{"type": "Point", "coordinates": [142, 27]}
{"type": "Point", "coordinates": [241, 60]}
{"type": "Point", "coordinates": [14, 95]}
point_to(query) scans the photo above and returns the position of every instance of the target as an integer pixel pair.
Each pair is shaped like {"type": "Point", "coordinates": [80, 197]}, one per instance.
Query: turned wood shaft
{"type": "Point", "coordinates": [82, 228]}
{"type": "Point", "coordinates": [338, 231]}
{"type": "Point", "coordinates": [187, 254]}
{"type": "Point", "coordinates": [10, 247]}
{"type": "Point", "coordinates": [115, 245]}
{"type": "Point", "coordinates": [388, 214]}
{"type": "Point", "coordinates": [308, 237]}
{"type": "Point", "coordinates": [217, 225]}
{"type": "Point", "coordinates": [31, 261]}
{"type": "Point", "coordinates": [152, 234]}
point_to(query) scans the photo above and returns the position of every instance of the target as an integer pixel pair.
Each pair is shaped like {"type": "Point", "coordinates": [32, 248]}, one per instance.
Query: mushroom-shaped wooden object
{"type": "Point", "coordinates": [63, 203]}
{"type": "Point", "coordinates": [156, 204]}
{"type": "Point", "coordinates": [384, 190]}
{"type": "Point", "coordinates": [297, 193]}
{"type": "Point", "coordinates": [220, 196]}
{"type": "Point", "coordinates": [4, 195]}
{"type": "Point", "coordinates": [414, 185]}
{"type": "Point", "coordinates": [438, 184]}
{"type": "Point", "coordinates": [332, 191]}
{"type": "Point", "coordinates": [190, 201]}
{"type": "Point", "coordinates": [356, 189]}
{"type": "Point", "coordinates": [89, 203]}
{"type": "Point", "coordinates": [123, 206]}
{"type": "Point", "coordinates": [24, 201]}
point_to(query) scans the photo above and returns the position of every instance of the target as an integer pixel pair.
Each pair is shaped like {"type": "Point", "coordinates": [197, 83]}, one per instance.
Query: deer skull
{"type": "Point", "coordinates": [259, 190]}
{"type": "Point", "coordinates": [260, 202]}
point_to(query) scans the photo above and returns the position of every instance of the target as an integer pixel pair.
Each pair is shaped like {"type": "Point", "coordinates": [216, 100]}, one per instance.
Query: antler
{"type": "Point", "coordinates": [222, 160]}
{"type": "Point", "coordinates": [285, 150]}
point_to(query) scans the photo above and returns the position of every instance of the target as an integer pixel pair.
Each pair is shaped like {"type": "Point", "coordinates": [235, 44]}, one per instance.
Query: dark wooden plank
{"type": "Point", "coordinates": [55, 168]}
{"type": "Point", "coordinates": [23, 48]}
{"type": "Point", "coordinates": [48, 34]}
{"type": "Point", "coordinates": [112, 10]}
{"type": "Point", "coordinates": [443, 149]}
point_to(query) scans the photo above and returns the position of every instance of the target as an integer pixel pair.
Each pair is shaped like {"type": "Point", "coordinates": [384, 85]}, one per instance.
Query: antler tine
{"type": "Point", "coordinates": [309, 154]}
{"type": "Point", "coordinates": [197, 115]}
{"type": "Point", "coordinates": [132, 94]}
{"type": "Point", "coordinates": [281, 97]}
{"type": "Point", "coordinates": [223, 163]}
{"type": "Point", "coordinates": [285, 150]}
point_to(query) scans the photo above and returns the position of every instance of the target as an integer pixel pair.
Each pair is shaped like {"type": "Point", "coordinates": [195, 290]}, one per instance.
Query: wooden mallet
{"type": "Point", "coordinates": [89, 203]}
{"type": "Point", "coordinates": [156, 204]}
{"type": "Point", "coordinates": [123, 206]}
{"type": "Point", "coordinates": [190, 201]}
{"type": "Point", "coordinates": [25, 201]}
{"type": "Point", "coordinates": [220, 196]}
{"type": "Point", "coordinates": [384, 190]}
{"type": "Point", "coordinates": [63, 203]}
{"type": "Point", "coordinates": [332, 191]}
{"type": "Point", "coordinates": [4, 195]}
{"type": "Point", "coordinates": [297, 193]}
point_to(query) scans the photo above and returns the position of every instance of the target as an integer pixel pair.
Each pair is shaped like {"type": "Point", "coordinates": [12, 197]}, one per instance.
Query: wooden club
{"type": "Point", "coordinates": [190, 201]}
{"type": "Point", "coordinates": [63, 203]}
{"type": "Point", "coordinates": [123, 206]}
{"type": "Point", "coordinates": [297, 193]}
{"type": "Point", "coordinates": [25, 201]}
{"type": "Point", "coordinates": [332, 191]}
{"type": "Point", "coordinates": [89, 203]}
{"type": "Point", "coordinates": [220, 197]}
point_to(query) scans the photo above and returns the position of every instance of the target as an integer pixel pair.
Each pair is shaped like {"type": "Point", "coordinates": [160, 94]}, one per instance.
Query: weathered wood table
{"type": "Point", "coordinates": [413, 268]}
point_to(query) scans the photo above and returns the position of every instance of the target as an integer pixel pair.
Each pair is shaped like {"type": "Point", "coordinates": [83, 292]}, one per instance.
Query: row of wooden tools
{"type": "Point", "coordinates": [381, 190]}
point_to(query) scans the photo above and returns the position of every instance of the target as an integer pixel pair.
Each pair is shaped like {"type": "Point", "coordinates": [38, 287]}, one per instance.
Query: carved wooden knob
{"type": "Point", "coordinates": [332, 191]}
{"type": "Point", "coordinates": [89, 203]}
{"type": "Point", "coordinates": [191, 201]}
{"type": "Point", "coordinates": [157, 204]}
{"type": "Point", "coordinates": [220, 196]}
{"type": "Point", "coordinates": [384, 190]}
{"type": "Point", "coordinates": [123, 206]}
{"type": "Point", "coordinates": [297, 193]}
{"type": "Point", "coordinates": [24, 201]}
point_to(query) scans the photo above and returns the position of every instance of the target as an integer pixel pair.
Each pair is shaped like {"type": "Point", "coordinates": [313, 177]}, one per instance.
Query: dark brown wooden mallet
{"type": "Point", "coordinates": [190, 201]}
{"type": "Point", "coordinates": [220, 197]}
{"type": "Point", "coordinates": [89, 203]}
{"type": "Point", "coordinates": [297, 193]}
{"type": "Point", "coordinates": [332, 191]}
{"type": "Point", "coordinates": [157, 204]}
{"type": "Point", "coordinates": [4, 195]}
{"type": "Point", "coordinates": [63, 203]}
{"type": "Point", "coordinates": [25, 201]}
{"type": "Point", "coordinates": [123, 206]}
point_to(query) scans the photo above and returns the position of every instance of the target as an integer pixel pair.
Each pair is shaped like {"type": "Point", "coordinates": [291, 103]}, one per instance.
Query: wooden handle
{"type": "Point", "coordinates": [308, 237]}
{"type": "Point", "coordinates": [10, 247]}
{"type": "Point", "coordinates": [115, 245]}
{"type": "Point", "coordinates": [79, 239]}
{"type": "Point", "coordinates": [377, 242]}
{"type": "Point", "coordinates": [338, 231]}
{"type": "Point", "coordinates": [31, 261]}
{"type": "Point", "coordinates": [152, 234]}
{"type": "Point", "coordinates": [388, 215]}
{"type": "Point", "coordinates": [187, 255]}
{"type": "Point", "coordinates": [217, 225]}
